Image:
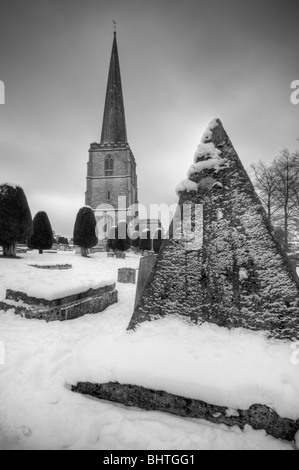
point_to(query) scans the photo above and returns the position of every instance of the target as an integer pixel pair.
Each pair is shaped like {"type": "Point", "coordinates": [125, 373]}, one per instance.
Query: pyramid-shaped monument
{"type": "Point", "coordinates": [222, 262]}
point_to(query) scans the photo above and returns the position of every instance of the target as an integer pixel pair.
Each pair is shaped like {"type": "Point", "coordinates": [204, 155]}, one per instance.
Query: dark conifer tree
{"type": "Point", "coordinates": [111, 237]}
{"type": "Point", "coordinates": [135, 239]}
{"type": "Point", "coordinates": [145, 240]}
{"type": "Point", "coordinates": [42, 237]}
{"type": "Point", "coordinates": [122, 240]}
{"type": "Point", "coordinates": [158, 239]}
{"type": "Point", "coordinates": [15, 218]}
{"type": "Point", "coordinates": [84, 229]}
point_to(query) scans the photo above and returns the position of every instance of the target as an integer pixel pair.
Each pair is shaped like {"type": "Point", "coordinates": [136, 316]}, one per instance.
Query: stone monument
{"type": "Point", "coordinates": [222, 262]}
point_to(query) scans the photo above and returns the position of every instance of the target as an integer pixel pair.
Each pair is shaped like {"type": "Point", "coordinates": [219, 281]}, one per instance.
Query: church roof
{"type": "Point", "coordinates": [114, 123]}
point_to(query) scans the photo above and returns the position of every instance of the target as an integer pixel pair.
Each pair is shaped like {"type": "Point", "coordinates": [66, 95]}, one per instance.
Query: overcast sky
{"type": "Point", "coordinates": [183, 63]}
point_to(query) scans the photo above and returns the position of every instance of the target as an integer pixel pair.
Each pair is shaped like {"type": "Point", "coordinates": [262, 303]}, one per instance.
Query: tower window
{"type": "Point", "coordinates": [109, 166]}
{"type": "Point", "coordinates": [108, 195]}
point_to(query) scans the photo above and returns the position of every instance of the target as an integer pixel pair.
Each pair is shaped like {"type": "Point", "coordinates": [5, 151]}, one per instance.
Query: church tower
{"type": "Point", "coordinates": [111, 170]}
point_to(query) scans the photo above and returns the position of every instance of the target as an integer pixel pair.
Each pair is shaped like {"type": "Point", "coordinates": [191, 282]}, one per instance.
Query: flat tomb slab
{"type": "Point", "coordinates": [257, 416]}
{"type": "Point", "coordinates": [51, 266]}
{"type": "Point", "coordinates": [53, 296]}
{"type": "Point", "coordinates": [63, 308]}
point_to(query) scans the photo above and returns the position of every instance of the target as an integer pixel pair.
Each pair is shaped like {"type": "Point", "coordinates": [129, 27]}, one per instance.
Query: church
{"type": "Point", "coordinates": [111, 183]}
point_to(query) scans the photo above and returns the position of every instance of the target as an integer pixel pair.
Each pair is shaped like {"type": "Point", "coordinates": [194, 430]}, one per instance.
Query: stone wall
{"type": "Point", "coordinates": [257, 416]}
{"type": "Point", "coordinates": [67, 308]}
{"type": "Point", "coordinates": [121, 183]}
{"type": "Point", "coordinates": [240, 276]}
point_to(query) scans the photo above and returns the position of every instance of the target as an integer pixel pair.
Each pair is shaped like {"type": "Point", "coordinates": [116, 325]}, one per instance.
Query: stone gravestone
{"type": "Point", "coordinates": [222, 262]}
{"type": "Point", "coordinates": [146, 266]}
{"type": "Point", "coordinates": [110, 254]}
{"type": "Point", "coordinates": [120, 254]}
{"type": "Point", "coordinates": [126, 275]}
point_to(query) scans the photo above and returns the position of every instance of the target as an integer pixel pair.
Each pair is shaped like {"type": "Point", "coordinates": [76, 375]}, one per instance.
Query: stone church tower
{"type": "Point", "coordinates": [111, 170]}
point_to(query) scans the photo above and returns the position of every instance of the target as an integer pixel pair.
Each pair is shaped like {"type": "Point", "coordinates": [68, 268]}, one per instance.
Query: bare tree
{"type": "Point", "coordinates": [265, 184]}
{"type": "Point", "coordinates": [277, 185]}
{"type": "Point", "coordinates": [286, 167]}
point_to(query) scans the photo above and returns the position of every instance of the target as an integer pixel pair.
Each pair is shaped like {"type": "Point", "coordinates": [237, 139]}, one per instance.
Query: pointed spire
{"type": "Point", "coordinates": [114, 123]}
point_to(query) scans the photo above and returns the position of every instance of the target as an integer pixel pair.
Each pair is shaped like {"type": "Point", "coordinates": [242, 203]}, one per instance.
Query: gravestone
{"type": "Point", "coordinates": [51, 266]}
{"type": "Point", "coordinates": [120, 254]}
{"type": "Point", "coordinates": [222, 262]}
{"type": "Point", "coordinates": [110, 254]}
{"type": "Point", "coordinates": [126, 275]}
{"type": "Point", "coordinates": [146, 265]}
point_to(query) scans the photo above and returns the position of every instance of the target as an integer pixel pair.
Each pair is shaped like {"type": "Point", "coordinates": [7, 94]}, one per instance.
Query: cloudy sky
{"type": "Point", "coordinates": [183, 62]}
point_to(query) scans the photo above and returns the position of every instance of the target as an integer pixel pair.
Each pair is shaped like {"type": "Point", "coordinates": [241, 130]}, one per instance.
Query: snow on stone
{"type": "Point", "coordinates": [218, 184]}
{"type": "Point", "coordinates": [186, 185]}
{"type": "Point", "coordinates": [213, 163]}
{"type": "Point", "coordinates": [231, 412]}
{"type": "Point", "coordinates": [206, 150]}
{"type": "Point", "coordinates": [243, 274]}
{"type": "Point", "coordinates": [207, 135]}
{"type": "Point", "coordinates": [41, 291]}
{"type": "Point", "coordinates": [219, 214]}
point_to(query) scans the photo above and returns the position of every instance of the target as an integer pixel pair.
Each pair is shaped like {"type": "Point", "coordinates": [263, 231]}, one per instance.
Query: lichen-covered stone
{"type": "Point", "coordinates": [126, 275]}
{"type": "Point", "coordinates": [257, 416]}
{"type": "Point", "coordinates": [240, 276]}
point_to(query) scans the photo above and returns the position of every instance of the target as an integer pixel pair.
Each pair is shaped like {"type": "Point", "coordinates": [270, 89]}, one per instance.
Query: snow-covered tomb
{"type": "Point", "coordinates": [64, 303]}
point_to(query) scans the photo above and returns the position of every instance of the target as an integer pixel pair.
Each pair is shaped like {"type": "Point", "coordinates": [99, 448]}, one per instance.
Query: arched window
{"type": "Point", "coordinates": [109, 165]}
{"type": "Point", "coordinates": [108, 195]}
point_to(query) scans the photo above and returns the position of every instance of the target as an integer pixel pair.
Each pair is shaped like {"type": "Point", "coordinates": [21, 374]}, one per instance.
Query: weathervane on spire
{"type": "Point", "coordinates": [114, 26]}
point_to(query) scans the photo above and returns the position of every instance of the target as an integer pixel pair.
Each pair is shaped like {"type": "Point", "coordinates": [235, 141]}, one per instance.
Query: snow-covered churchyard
{"type": "Point", "coordinates": [232, 361]}
{"type": "Point", "coordinates": [234, 368]}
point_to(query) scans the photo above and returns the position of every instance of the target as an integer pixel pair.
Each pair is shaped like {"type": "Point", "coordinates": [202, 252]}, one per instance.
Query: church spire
{"type": "Point", "coordinates": [114, 123]}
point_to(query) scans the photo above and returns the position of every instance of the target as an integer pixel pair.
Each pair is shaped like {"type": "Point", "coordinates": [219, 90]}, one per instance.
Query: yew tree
{"type": "Point", "coordinates": [84, 229]}
{"type": "Point", "coordinates": [42, 237]}
{"type": "Point", "coordinates": [15, 218]}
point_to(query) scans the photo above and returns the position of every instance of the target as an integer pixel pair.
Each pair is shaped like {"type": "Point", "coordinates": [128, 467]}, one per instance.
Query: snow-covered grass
{"type": "Point", "coordinates": [37, 410]}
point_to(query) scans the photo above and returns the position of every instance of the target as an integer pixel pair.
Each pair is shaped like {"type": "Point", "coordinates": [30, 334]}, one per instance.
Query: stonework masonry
{"type": "Point", "coordinates": [257, 416]}
{"type": "Point", "coordinates": [103, 189]}
{"type": "Point", "coordinates": [240, 277]}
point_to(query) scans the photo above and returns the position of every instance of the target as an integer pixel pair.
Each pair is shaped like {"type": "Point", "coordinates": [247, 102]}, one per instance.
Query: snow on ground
{"type": "Point", "coordinates": [37, 410]}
